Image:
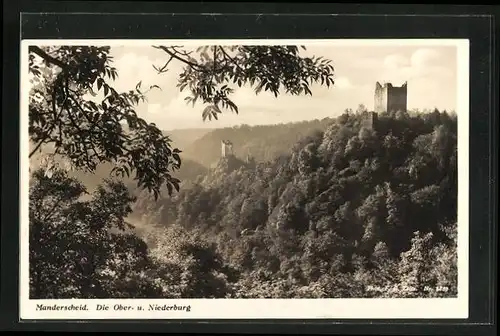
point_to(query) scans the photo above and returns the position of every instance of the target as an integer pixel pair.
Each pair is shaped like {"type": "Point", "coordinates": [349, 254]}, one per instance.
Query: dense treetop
{"type": "Point", "coordinates": [381, 202]}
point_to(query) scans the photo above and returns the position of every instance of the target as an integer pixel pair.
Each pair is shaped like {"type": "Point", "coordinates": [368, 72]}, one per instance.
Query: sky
{"type": "Point", "coordinates": [431, 73]}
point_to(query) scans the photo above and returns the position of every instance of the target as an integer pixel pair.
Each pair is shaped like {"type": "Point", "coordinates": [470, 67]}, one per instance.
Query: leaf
{"type": "Point", "coordinates": [259, 87]}
{"type": "Point", "coordinates": [170, 189]}
{"type": "Point", "coordinates": [204, 115]}
{"type": "Point", "coordinates": [216, 109]}
{"type": "Point", "coordinates": [175, 183]}
{"type": "Point", "coordinates": [306, 89]}
{"type": "Point", "coordinates": [232, 106]}
{"type": "Point", "coordinates": [106, 89]}
{"type": "Point", "coordinates": [138, 86]}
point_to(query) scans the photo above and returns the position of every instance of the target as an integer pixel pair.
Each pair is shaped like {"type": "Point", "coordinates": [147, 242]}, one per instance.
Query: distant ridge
{"type": "Point", "coordinates": [264, 141]}
{"type": "Point", "coordinates": [201, 148]}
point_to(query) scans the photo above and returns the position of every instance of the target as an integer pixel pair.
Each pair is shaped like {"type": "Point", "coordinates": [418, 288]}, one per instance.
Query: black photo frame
{"type": "Point", "coordinates": [151, 20]}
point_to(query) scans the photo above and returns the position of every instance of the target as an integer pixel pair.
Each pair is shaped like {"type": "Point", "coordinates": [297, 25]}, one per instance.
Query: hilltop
{"type": "Point", "coordinates": [262, 142]}
{"type": "Point", "coordinates": [201, 148]}
{"type": "Point", "coordinates": [183, 138]}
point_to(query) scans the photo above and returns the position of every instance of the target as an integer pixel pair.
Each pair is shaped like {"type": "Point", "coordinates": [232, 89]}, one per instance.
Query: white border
{"type": "Point", "coordinates": [266, 308]}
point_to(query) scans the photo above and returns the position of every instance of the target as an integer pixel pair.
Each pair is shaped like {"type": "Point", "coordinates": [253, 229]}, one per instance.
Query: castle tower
{"type": "Point", "coordinates": [227, 148]}
{"type": "Point", "coordinates": [389, 98]}
{"type": "Point", "coordinates": [369, 120]}
{"type": "Point", "coordinates": [250, 160]}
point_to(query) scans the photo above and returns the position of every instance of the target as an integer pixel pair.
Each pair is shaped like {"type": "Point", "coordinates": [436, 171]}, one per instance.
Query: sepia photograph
{"type": "Point", "coordinates": [170, 172]}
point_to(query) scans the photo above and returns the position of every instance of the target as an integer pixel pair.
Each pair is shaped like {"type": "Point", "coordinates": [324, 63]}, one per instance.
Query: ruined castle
{"type": "Point", "coordinates": [389, 98]}
{"type": "Point", "coordinates": [227, 148]}
{"type": "Point", "coordinates": [369, 120]}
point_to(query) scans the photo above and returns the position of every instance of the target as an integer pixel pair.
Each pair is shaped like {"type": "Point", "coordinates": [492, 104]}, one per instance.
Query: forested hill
{"type": "Point", "coordinates": [183, 138]}
{"type": "Point", "coordinates": [263, 142]}
{"type": "Point", "coordinates": [346, 209]}
{"type": "Point", "coordinates": [189, 171]}
{"type": "Point", "coordinates": [201, 148]}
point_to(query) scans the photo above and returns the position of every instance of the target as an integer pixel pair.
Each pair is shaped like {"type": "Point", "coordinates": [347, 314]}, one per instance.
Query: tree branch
{"type": "Point", "coordinates": [231, 59]}
{"type": "Point", "coordinates": [57, 116]}
{"type": "Point", "coordinates": [47, 57]}
{"type": "Point", "coordinates": [162, 69]}
{"type": "Point", "coordinates": [52, 210]}
{"type": "Point", "coordinates": [36, 147]}
{"type": "Point", "coordinates": [174, 55]}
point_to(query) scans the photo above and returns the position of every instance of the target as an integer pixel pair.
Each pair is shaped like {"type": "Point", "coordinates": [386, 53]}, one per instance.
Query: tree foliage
{"type": "Point", "coordinates": [261, 142]}
{"type": "Point", "coordinates": [344, 212]}
{"type": "Point", "coordinates": [320, 222]}
{"type": "Point", "coordinates": [82, 248]}
{"type": "Point", "coordinates": [349, 212]}
{"type": "Point", "coordinates": [89, 131]}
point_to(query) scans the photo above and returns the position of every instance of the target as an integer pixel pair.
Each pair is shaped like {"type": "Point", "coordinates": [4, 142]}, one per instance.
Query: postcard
{"type": "Point", "coordinates": [244, 179]}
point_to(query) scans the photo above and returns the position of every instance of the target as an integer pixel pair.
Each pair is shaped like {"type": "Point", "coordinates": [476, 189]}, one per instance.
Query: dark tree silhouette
{"type": "Point", "coordinates": [81, 248]}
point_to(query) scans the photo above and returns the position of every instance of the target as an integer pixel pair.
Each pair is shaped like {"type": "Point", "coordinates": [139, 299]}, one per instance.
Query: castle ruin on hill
{"type": "Point", "coordinates": [369, 120]}
{"type": "Point", "coordinates": [389, 98]}
{"type": "Point", "coordinates": [227, 148]}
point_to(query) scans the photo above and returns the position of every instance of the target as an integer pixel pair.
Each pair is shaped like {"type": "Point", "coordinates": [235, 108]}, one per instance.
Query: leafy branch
{"type": "Point", "coordinates": [265, 68]}
{"type": "Point", "coordinates": [90, 132]}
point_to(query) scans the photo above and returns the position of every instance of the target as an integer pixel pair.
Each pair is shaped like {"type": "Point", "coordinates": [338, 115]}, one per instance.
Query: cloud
{"type": "Point", "coordinates": [343, 83]}
{"type": "Point", "coordinates": [395, 61]}
{"type": "Point", "coordinates": [422, 63]}
{"type": "Point", "coordinates": [133, 68]}
{"type": "Point", "coordinates": [154, 108]}
{"type": "Point", "coordinates": [137, 66]}
{"type": "Point", "coordinates": [424, 57]}
{"type": "Point", "coordinates": [429, 71]}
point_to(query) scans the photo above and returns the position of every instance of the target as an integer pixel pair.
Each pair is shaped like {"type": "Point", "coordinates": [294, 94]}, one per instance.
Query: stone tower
{"type": "Point", "coordinates": [227, 148]}
{"type": "Point", "coordinates": [390, 98]}
{"type": "Point", "coordinates": [369, 120]}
